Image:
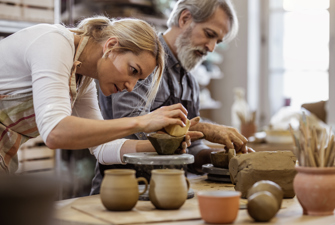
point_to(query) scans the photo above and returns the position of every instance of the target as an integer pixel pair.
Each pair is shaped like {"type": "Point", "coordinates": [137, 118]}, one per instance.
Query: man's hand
{"type": "Point", "coordinates": [244, 149]}
{"type": "Point", "coordinates": [225, 135]}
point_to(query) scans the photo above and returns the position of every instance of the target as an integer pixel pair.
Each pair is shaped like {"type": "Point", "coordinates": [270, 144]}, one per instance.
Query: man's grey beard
{"type": "Point", "coordinates": [186, 52]}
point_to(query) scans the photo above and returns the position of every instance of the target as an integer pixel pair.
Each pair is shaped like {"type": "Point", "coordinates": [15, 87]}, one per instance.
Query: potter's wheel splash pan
{"type": "Point", "coordinates": [152, 158]}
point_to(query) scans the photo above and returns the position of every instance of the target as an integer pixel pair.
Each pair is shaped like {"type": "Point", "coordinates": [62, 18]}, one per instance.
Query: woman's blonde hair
{"type": "Point", "coordinates": [133, 35]}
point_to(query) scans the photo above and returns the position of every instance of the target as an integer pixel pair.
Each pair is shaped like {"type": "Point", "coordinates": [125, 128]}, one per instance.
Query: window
{"type": "Point", "coordinates": [298, 52]}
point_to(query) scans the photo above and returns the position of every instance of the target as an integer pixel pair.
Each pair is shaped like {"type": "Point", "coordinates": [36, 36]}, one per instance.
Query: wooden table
{"type": "Point", "coordinates": [291, 212]}
{"type": "Point", "coordinates": [258, 147]}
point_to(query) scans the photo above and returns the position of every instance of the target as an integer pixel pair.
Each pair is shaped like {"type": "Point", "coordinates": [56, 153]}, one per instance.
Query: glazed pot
{"type": "Point", "coordinates": [168, 188]}
{"type": "Point", "coordinates": [119, 189]}
{"type": "Point", "coordinates": [314, 188]}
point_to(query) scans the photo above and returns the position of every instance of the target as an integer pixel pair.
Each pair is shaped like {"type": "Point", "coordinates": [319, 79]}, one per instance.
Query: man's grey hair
{"type": "Point", "coordinates": [202, 10]}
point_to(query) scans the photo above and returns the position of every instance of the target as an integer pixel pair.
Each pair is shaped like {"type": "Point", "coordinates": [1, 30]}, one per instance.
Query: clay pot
{"type": "Point", "coordinates": [270, 186]}
{"type": "Point", "coordinates": [314, 188]}
{"type": "Point", "coordinates": [248, 129]}
{"type": "Point", "coordinates": [168, 188]}
{"type": "Point", "coordinates": [119, 189]}
{"type": "Point", "coordinates": [221, 158]}
{"type": "Point", "coordinates": [165, 144]}
{"type": "Point", "coordinates": [219, 206]}
{"type": "Point", "coordinates": [262, 206]}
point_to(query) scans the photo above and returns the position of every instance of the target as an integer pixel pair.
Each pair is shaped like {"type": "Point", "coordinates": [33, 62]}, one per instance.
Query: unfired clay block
{"type": "Point", "coordinates": [277, 166]}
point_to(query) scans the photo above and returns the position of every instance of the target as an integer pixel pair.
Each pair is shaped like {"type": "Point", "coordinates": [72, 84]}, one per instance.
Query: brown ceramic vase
{"type": "Point", "coordinates": [168, 188]}
{"type": "Point", "coordinates": [119, 189]}
{"type": "Point", "coordinates": [314, 188]}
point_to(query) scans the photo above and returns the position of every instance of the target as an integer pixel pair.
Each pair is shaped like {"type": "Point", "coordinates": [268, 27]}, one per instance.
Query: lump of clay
{"type": "Point", "coordinates": [270, 186]}
{"type": "Point", "coordinates": [262, 206]}
{"type": "Point", "coordinates": [177, 130]}
{"type": "Point", "coordinates": [277, 166]}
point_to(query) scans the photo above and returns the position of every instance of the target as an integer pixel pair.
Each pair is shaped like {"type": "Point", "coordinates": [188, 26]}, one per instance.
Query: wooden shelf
{"type": "Point", "coordinates": [10, 26]}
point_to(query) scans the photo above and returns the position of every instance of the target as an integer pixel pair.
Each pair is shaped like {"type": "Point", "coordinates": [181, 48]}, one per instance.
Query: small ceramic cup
{"type": "Point", "coordinates": [168, 188]}
{"type": "Point", "coordinates": [119, 189]}
{"type": "Point", "coordinates": [219, 206]}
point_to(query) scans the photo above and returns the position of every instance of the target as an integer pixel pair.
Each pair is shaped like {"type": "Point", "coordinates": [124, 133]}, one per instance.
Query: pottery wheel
{"type": "Point", "coordinates": [145, 196]}
{"type": "Point", "coordinates": [216, 173]}
{"type": "Point", "coordinates": [152, 158]}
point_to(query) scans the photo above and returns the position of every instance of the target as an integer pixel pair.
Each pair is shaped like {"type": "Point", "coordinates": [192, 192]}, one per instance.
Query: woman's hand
{"type": "Point", "coordinates": [162, 117]}
{"type": "Point", "coordinates": [190, 135]}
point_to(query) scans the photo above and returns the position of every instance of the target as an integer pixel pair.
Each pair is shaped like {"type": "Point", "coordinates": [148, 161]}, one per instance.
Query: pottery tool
{"type": "Point", "coordinates": [309, 149]}
{"type": "Point", "coordinates": [241, 117]}
{"type": "Point", "coordinates": [246, 119]}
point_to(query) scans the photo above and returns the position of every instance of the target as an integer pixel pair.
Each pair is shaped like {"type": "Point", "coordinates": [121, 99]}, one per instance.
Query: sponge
{"type": "Point", "coordinates": [177, 130]}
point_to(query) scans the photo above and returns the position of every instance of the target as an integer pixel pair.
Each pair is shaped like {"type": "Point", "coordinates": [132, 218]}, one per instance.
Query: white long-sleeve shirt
{"type": "Point", "coordinates": [38, 60]}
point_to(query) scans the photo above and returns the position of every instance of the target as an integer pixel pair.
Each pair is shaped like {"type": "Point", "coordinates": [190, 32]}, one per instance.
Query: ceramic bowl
{"type": "Point", "coordinates": [165, 144]}
{"type": "Point", "coordinates": [278, 137]}
{"type": "Point", "coordinates": [221, 158]}
{"type": "Point", "coordinates": [219, 206]}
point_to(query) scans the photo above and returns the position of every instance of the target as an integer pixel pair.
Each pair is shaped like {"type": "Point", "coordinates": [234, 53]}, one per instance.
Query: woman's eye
{"type": "Point", "coordinates": [133, 70]}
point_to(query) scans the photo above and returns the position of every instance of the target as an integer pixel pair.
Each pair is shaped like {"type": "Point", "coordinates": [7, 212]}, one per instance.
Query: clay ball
{"type": "Point", "coordinates": [270, 186]}
{"type": "Point", "coordinates": [262, 206]}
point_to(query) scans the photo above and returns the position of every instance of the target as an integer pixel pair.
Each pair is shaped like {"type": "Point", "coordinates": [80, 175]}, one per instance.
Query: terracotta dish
{"type": "Point", "coordinates": [165, 144]}
{"type": "Point", "coordinates": [219, 206]}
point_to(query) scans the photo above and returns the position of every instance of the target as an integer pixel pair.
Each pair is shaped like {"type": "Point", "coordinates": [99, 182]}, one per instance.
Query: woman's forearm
{"type": "Point", "coordinates": [78, 133]}
{"type": "Point", "coordinates": [131, 146]}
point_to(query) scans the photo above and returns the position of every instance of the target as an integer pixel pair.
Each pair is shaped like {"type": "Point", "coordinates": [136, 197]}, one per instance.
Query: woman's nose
{"type": "Point", "coordinates": [131, 84]}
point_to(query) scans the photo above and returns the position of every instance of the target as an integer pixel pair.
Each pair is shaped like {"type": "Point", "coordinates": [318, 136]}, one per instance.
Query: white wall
{"type": "Point", "coordinates": [331, 102]}
{"type": "Point", "coordinates": [246, 62]}
{"type": "Point", "coordinates": [241, 63]}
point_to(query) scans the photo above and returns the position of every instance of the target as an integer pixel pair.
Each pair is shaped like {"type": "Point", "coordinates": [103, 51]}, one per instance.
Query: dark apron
{"type": "Point", "coordinates": [142, 171]}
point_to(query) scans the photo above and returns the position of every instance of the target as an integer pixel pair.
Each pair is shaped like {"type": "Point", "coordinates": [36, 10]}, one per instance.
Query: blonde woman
{"type": "Point", "coordinates": [47, 87]}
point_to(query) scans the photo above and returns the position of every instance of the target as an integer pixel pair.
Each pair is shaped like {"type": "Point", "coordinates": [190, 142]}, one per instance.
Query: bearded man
{"type": "Point", "coordinates": [195, 27]}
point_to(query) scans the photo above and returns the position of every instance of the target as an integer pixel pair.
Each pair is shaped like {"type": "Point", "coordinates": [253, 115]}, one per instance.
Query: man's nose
{"type": "Point", "coordinates": [210, 46]}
